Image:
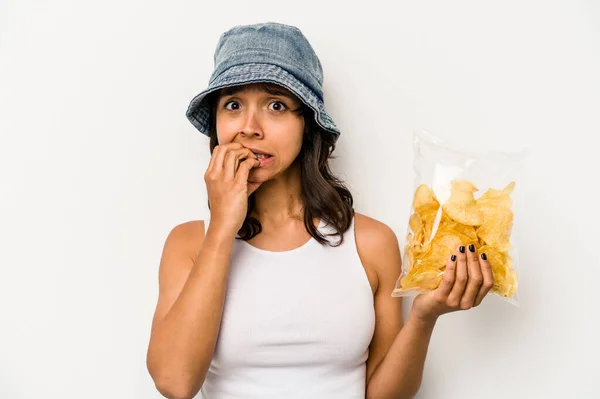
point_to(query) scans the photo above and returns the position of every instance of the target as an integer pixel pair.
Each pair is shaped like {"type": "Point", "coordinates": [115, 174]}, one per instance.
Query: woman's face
{"type": "Point", "coordinates": [264, 121]}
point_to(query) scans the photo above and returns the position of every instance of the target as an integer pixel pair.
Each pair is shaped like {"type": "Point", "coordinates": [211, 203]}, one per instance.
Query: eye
{"type": "Point", "coordinates": [230, 102]}
{"type": "Point", "coordinates": [281, 106]}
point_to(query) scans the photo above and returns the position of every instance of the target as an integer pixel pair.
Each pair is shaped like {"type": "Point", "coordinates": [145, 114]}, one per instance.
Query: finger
{"type": "Point", "coordinates": [462, 277]}
{"type": "Point", "coordinates": [488, 278]}
{"type": "Point", "coordinates": [213, 156]}
{"type": "Point", "coordinates": [233, 159]}
{"type": "Point", "coordinates": [212, 172]}
{"type": "Point", "coordinates": [449, 276]}
{"type": "Point", "coordinates": [220, 153]}
{"type": "Point", "coordinates": [244, 170]}
{"type": "Point", "coordinates": [475, 279]}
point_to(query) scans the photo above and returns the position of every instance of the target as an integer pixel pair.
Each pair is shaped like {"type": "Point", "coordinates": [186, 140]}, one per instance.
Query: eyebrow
{"type": "Point", "coordinates": [272, 89]}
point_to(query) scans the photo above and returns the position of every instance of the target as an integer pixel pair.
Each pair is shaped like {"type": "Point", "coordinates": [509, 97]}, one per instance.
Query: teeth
{"type": "Point", "coordinates": [261, 156]}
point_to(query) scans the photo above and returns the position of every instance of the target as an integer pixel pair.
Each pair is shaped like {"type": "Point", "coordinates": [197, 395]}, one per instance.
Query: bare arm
{"type": "Point", "coordinates": [400, 373]}
{"type": "Point", "coordinates": [192, 284]}
{"type": "Point", "coordinates": [397, 351]}
{"type": "Point", "coordinates": [193, 277]}
{"type": "Point", "coordinates": [466, 281]}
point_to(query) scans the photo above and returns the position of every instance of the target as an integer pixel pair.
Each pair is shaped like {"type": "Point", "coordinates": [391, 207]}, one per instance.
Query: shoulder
{"type": "Point", "coordinates": [186, 237]}
{"type": "Point", "coordinates": [191, 230]}
{"type": "Point", "coordinates": [372, 232]}
{"type": "Point", "coordinates": [378, 248]}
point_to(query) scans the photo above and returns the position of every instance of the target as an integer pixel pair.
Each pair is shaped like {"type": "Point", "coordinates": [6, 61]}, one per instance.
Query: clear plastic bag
{"type": "Point", "coordinates": [461, 197]}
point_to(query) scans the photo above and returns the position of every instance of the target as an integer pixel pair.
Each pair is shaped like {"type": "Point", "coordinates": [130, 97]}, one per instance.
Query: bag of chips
{"type": "Point", "coordinates": [461, 197]}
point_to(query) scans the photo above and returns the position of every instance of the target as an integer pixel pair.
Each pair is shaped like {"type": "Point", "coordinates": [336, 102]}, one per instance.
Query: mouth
{"type": "Point", "coordinates": [264, 159]}
{"type": "Point", "coordinates": [260, 154]}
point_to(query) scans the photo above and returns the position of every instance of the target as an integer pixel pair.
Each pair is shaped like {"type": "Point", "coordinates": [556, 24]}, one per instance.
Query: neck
{"type": "Point", "coordinates": [279, 200]}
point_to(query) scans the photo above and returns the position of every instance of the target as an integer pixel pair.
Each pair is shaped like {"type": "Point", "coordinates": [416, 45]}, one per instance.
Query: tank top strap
{"type": "Point", "coordinates": [349, 241]}
{"type": "Point", "coordinates": [206, 223]}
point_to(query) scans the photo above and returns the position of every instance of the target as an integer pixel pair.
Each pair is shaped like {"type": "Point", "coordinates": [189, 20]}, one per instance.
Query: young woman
{"type": "Point", "coordinates": [285, 292]}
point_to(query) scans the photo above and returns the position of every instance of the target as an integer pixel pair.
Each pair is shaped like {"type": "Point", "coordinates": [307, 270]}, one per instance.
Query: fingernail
{"type": "Point", "coordinates": [453, 257]}
{"type": "Point", "coordinates": [472, 248]}
{"type": "Point", "coordinates": [484, 256]}
{"type": "Point", "coordinates": [462, 249]}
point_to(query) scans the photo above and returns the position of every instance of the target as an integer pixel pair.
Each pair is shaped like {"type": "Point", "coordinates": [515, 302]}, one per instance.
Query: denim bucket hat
{"type": "Point", "coordinates": [265, 52]}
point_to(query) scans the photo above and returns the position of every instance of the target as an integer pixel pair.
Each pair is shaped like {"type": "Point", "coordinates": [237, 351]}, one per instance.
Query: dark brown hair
{"type": "Point", "coordinates": [324, 195]}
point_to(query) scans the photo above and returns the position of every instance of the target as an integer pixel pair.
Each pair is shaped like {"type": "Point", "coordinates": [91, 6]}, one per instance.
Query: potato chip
{"type": "Point", "coordinates": [407, 261]}
{"type": "Point", "coordinates": [498, 217]}
{"type": "Point", "coordinates": [415, 222]}
{"type": "Point", "coordinates": [439, 250]}
{"type": "Point", "coordinates": [497, 229]}
{"type": "Point", "coordinates": [422, 278]}
{"type": "Point", "coordinates": [508, 288]}
{"type": "Point", "coordinates": [467, 233]}
{"type": "Point", "coordinates": [424, 199]}
{"type": "Point", "coordinates": [426, 208]}
{"type": "Point", "coordinates": [496, 259]}
{"type": "Point", "coordinates": [496, 198]}
{"type": "Point", "coordinates": [428, 220]}
{"type": "Point", "coordinates": [409, 249]}
{"type": "Point", "coordinates": [461, 206]}
{"type": "Point", "coordinates": [419, 238]}
{"type": "Point", "coordinates": [505, 278]}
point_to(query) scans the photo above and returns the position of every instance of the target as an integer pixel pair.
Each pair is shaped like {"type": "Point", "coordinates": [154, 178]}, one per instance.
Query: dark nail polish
{"type": "Point", "coordinates": [462, 249]}
{"type": "Point", "coordinates": [472, 248]}
{"type": "Point", "coordinates": [483, 256]}
{"type": "Point", "coordinates": [453, 257]}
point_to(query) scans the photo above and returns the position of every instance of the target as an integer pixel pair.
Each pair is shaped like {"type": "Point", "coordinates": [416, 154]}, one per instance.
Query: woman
{"type": "Point", "coordinates": [286, 291]}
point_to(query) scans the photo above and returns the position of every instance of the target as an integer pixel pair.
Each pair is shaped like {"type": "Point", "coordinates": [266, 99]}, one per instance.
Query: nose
{"type": "Point", "coordinates": [252, 126]}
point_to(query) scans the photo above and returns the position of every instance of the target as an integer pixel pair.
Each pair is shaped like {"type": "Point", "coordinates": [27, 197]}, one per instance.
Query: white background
{"type": "Point", "coordinates": [98, 163]}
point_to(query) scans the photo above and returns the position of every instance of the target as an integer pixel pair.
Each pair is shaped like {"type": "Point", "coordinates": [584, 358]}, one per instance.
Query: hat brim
{"type": "Point", "coordinates": [198, 112]}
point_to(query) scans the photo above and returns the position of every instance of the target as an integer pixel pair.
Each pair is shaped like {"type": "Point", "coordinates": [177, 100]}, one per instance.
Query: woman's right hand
{"type": "Point", "coordinates": [227, 184]}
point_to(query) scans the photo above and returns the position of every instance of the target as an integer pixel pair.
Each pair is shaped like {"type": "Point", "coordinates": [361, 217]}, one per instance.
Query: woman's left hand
{"type": "Point", "coordinates": [466, 281]}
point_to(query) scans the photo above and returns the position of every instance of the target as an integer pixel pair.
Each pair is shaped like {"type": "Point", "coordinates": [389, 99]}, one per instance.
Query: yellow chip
{"type": "Point", "coordinates": [461, 206]}
{"type": "Point", "coordinates": [415, 222]}
{"type": "Point", "coordinates": [409, 249]}
{"type": "Point", "coordinates": [439, 250]}
{"type": "Point", "coordinates": [419, 238]}
{"type": "Point", "coordinates": [422, 278]}
{"type": "Point", "coordinates": [505, 277]}
{"type": "Point", "coordinates": [424, 199]}
{"type": "Point", "coordinates": [496, 198]}
{"type": "Point", "coordinates": [498, 218]}
{"type": "Point", "coordinates": [497, 229]}
{"type": "Point", "coordinates": [510, 286]}
{"type": "Point", "coordinates": [408, 259]}
{"type": "Point", "coordinates": [465, 232]}
{"type": "Point", "coordinates": [428, 219]}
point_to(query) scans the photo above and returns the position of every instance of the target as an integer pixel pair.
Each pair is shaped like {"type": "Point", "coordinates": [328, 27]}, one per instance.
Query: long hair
{"type": "Point", "coordinates": [324, 195]}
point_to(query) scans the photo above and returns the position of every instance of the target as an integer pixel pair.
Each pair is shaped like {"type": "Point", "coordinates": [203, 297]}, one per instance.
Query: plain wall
{"type": "Point", "coordinates": [98, 163]}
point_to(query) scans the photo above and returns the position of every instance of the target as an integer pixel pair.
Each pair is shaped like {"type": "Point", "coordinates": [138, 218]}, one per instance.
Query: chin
{"type": "Point", "coordinates": [256, 177]}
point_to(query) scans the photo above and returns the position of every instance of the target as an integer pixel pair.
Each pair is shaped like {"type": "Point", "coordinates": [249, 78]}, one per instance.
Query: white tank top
{"type": "Point", "coordinates": [296, 324]}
